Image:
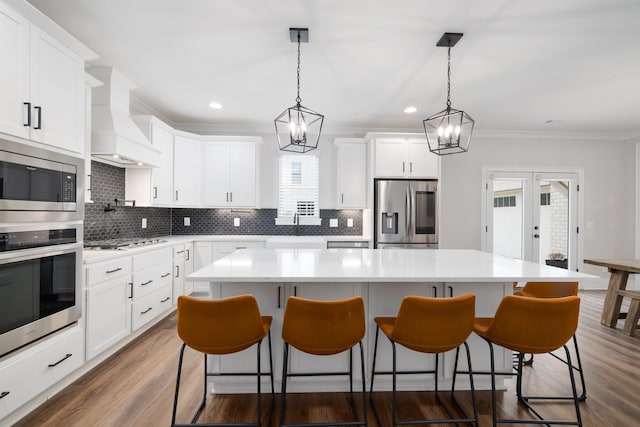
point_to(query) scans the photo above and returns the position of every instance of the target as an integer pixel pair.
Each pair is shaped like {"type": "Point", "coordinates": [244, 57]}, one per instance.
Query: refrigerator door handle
{"type": "Point", "coordinates": [407, 213]}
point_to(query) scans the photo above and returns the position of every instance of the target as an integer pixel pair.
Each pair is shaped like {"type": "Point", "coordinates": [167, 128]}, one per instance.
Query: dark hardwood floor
{"type": "Point", "coordinates": [135, 386]}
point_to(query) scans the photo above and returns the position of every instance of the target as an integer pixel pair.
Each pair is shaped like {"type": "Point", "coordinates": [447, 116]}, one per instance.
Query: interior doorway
{"type": "Point", "coordinates": [533, 216]}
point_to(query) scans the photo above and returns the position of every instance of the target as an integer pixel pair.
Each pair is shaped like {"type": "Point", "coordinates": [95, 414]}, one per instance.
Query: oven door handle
{"type": "Point", "coordinates": [29, 254]}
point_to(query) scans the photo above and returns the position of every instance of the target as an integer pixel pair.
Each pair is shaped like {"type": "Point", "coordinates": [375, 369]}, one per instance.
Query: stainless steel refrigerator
{"type": "Point", "coordinates": [405, 214]}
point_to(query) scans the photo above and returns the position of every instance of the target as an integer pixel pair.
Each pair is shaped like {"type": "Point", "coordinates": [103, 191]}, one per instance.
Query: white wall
{"type": "Point", "coordinates": [608, 190]}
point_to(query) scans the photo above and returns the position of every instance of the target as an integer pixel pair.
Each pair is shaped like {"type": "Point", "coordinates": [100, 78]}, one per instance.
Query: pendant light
{"type": "Point", "coordinates": [298, 128]}
{"type": "Point", "coordinates": [449, 131]}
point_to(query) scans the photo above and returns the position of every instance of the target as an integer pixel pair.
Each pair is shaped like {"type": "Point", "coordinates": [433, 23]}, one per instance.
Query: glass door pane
{"type": "Point", "coordinates": [508, 220]}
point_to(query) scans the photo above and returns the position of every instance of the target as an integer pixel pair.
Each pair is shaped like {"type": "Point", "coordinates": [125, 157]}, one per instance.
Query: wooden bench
{"type": "Point", "coordinates": [631, 322]}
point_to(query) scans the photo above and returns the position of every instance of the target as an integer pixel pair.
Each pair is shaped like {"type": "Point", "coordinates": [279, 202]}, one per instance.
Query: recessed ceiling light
{"type": "Point", "coordinates": [410, 110]}
{"type": "Point", "coordinates": [215, 105]}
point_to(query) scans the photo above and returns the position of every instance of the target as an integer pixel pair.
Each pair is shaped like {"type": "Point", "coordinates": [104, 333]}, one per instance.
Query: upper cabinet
{"type": "Point", "coordinates": [230, 174]}
{"type": "Point", "coordinates": [42, 85]}
{"type": "Point", "coordinates": [351, 173]}
{"type": "Point", "coordinates": [404, 157]}
{"type": "Point", "coordinates": [187, 172]}
{"type": "Point", "coordinates": [153, 186]}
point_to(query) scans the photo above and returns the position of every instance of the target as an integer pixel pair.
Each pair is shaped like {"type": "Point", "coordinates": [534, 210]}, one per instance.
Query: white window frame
{"type": "Point", "coordinates": [287, 218]}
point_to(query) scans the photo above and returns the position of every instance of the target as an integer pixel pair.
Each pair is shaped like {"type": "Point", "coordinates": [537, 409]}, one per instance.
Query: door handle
{"type": "Point", "coordinates": [28, 105]}
{"type": "Point", "coordinates": [155, 192]}
{"type": "Point", "coordinates": [39, 110]}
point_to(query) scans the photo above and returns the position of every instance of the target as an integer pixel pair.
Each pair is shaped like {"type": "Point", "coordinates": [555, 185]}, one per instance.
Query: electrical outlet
{"type": "Point", "coordinates": [236, 222]}
{"type": "Point", "coordinates": [144, 222]}
{"type": "Point", "coordinates": [187, 221]}
{"type": "Point", "coordinates": [333, 222]}
{"type": "Point", "coordinates": [349, 222]}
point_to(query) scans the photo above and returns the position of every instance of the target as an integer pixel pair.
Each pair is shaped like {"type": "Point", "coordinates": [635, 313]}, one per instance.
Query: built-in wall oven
{"type": "Point", "coordinates": [40, 281]}
{"type": "Point", "coordinates": [41, 213]}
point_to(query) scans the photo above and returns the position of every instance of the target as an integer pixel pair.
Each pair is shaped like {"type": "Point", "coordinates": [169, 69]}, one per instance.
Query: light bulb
{"type": "Point", "coordinates": [440, 131]}
{"type": "Point", "coordinates": [457, 130]}
{"type": "Point", "coordinates": [447, 131]}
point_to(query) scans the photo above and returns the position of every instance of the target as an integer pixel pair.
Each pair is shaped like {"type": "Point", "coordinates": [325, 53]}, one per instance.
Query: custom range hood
{"type": "Point", "coordinates": [115, 138]}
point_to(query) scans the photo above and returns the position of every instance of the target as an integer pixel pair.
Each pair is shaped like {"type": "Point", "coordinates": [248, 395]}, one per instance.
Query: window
{"type": "Point", "coordinates": [545, 199]}
{"type": "Point", "coordinates": [504, 202]}
{"type": "Point", "coordinates": [298, 188]}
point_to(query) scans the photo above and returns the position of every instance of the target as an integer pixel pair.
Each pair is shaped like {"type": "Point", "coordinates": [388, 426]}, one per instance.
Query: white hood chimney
{"type": "Point", "coordinates": [115, 138]}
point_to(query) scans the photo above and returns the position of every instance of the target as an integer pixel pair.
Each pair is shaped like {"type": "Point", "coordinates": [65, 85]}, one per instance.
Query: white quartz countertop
{"type": "Point", "coordinates": [91, 256]}
{"type": "Point", "coordinates": [377, 265]}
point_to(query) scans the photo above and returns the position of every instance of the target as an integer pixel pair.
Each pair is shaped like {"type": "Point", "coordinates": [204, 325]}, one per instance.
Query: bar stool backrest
{"type": "Point", "coordinates": [220, 326]}
{"type": "Point", "coordinates": [323, 327]}
{"type": "Point", "coordinates": [534, 325]}
{"type": "Point", "coordinates": [548, 289]}
{"type": "Point", "coordinates": [434, 325]}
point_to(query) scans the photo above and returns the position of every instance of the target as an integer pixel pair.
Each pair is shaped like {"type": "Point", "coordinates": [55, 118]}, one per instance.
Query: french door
{"type": "Point", "coordinates": [532, 216]}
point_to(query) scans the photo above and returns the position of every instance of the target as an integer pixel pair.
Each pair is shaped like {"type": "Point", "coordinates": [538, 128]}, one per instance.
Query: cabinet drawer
{"type": "Point", "coordinates": [150, 306]}
{"type": "Point", "coordinates": [28, 374]}
{"type": "Point", "coordinates": [151, 279]}
{"type": "Point", "coordinates": [225, 248]}
{"type": "Point", "coordinates": [108, 270]}
{"type": "Point", "coordinates": [151, 258]}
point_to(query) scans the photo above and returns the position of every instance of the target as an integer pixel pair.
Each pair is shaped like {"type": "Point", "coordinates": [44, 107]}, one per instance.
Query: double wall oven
{"type": "Point", "coordinates": [41, 212]}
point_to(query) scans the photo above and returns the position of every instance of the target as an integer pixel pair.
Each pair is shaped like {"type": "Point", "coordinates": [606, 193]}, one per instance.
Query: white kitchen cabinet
{"type": "Point", "coordinates": [153, 186]}
{"type": "Point", "coordinates": [230, 175]}
{"type": "Point", "coordinates": [42, 85]}
{"type": "Point", "coordinates": [147, 308]}
{"type": "Point", "coordinates": [152, 284]}
{"type": "Point", "coordinates": [188, 267]}
{"type": "Point", "coordinates": [108, 312]}
{"type": "Point", "coordinates": [33, 370]}
{"type": "Point", "coordinates": [352, 173]}
{"type": "Point", "coordinates": [405, 157]}
{"type": "Point", "coordinates": [180, 263]}
{"type": "Point", "coordinates": [187, 172]}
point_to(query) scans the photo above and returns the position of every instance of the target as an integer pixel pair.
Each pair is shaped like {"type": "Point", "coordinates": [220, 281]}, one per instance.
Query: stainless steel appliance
{"type": "Point", "coordinates": [39, 185]}
{"type": "Point", "coordinates": [347, 244]}
{"type": "Point", "coordinates": [122, 244]}
{"type": "Point", "coordinates": [40, 281]}
{"type": "Point", "coordinates": [405, 214]}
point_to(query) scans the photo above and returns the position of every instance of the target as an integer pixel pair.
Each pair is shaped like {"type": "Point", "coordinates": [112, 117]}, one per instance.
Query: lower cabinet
{"type": "Point", "coordinates": [152, 279]}
{"type": "Point", "coordinates": [108, 315]}
{"type": "Point", "coordinates": [29, 373]}
{"type": "Point", "coordinates": [147, 308]}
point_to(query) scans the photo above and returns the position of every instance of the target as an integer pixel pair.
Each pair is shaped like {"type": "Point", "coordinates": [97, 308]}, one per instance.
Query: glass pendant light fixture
{"type": "Point", "coordinates": [449, 131]}
{"type": "Point", "coordinates": [298, 128]}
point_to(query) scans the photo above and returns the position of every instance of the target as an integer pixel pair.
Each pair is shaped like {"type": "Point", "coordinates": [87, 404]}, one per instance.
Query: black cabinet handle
{"type": "Point", "coordinates": [3, 394]}
{"type": "Point", "coordinates": [146, 283]}
{"type": "Point", "coordinates": [131, 291]}
{"type": "Point", "coordinates": [68, 355]}
{"type": "Point", "coordinates": [39, 110]}
{"type": "Point", "coordinates": [188, 255]}
{"type": "Point", "coordinates": [165, 275]}
{"type": "Point", "coordinates": [180, 252]}
{"type": "Point", "coordinates": [166, 299]}
{"type": "Point", "coordinates": [279, 288]}
{"type": "Point", "coordinates": [90, 182]}
{"type": "Point", "coordinates": [113, 271]}
{"type": "Point", "coordinates": [295, 291]}
{"type": "Point", "coordinates": [155, 192]}
{"type": "Point", "coordinates": [176, 195]}
{"type": "Point", "coordinates": [435, 291]}
{"type": "Point", "coordinates": [28, 105]}
{"type": "Point", "coordinates": [146, 311]}
{"type": "Point", "coordinates": [231, 197]}
{"type": "Point", "coordinates": [177, 271]}
{"type": "Point", "coordinates": [450, 291]}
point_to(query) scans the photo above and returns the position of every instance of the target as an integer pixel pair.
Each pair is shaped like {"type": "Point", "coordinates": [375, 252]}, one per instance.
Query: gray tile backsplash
{"type": "Point", "coordinates": [108, 184]}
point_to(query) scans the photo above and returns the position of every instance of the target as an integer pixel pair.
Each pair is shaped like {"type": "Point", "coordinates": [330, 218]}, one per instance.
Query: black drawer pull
{"type": "Point", "coordinates": [166, 275]}
{"type": "Point", "coordinates": [39, 110]}
{"type": "Point", "coordinates": [68, 355]}
{"type": "Point", "coordinates": [146, 311]}
{"type": "Point", "coordinates": [180, 252]}
{"type": "Point", "coordinates": [166, 299]}
{"type": "Point", "coordinates": [28, 105]}
{"type": "Point", "coordinates": [113, 271]}
{"type": "Point", "coordinates": [146, 283]}
{"type": "Point", "coordinates": [3, 394]}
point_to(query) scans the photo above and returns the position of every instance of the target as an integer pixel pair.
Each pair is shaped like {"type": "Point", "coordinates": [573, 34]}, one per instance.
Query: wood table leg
{"type": "Point", "coordinates": [613, 301]}
{"type": "Point", "coordinates": [632, 318]}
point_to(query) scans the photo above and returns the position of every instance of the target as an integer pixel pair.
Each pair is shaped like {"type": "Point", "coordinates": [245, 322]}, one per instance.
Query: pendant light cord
{"type": "Point", "coordinates": [448, 76]}
{"type": "Point", "coordinates": [298, 71]}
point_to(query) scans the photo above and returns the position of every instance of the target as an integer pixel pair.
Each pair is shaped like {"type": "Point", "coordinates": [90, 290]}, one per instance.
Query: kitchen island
{"type": "Point", "coordinates": [382, 278]}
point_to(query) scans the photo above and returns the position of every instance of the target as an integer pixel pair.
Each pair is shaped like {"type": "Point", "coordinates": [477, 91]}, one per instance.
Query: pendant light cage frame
{"type": "Point", "coordinates": [298, 128]}
{"type": "Point", "coordinates": [449, 131]}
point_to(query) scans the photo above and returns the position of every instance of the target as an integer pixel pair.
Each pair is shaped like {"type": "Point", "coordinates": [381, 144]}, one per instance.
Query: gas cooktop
{"type": "Point", "coordinates": [121, 244]}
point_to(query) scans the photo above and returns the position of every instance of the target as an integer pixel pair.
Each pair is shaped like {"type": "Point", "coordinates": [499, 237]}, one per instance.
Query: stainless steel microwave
{"type": "Point", "coordinates": [39, 185]}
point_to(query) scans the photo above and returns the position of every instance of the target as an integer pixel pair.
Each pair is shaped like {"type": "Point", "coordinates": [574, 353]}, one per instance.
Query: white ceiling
{"type": "Point", "coordinates": [519, 64]}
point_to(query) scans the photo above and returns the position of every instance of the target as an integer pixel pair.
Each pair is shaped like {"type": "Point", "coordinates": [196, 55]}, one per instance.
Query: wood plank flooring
{"type": "Point", "coordinates": [135, 386]}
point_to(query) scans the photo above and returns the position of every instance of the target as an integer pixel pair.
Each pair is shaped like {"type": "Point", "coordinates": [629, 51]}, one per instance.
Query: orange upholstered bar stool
{"type": "Point", "coordinates": [556, 290]}
{"type": "Point", "coordinates": [324, 328]}
{"type": "Point", "coordinates": [221, 327]}
{"type": "Point", "coordinates": [535, 326]}
{"type": "Point", "coordinates": [432, 326]}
